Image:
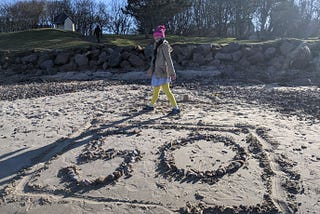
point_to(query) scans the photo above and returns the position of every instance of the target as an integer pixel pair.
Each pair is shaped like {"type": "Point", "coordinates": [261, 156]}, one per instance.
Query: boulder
{"type": "Point", "coordinates": [18, 60]}
{"type": "Point", "coordinates": [81, 60]}
{"type": "Point", "coordinates": [216, 62]}
{"type": "Point", "coordinates": [248, 51]}
{"type": "Point", "coordinates": [286, 47]}
{"type": "Point", "coordinates": [187, 51]}
{"type": "Point", "coordinates": [47, 64]}
{"type": "Point", "coordinates": [43, 57]}
{"type": "Point", "coordinates": [102, 58]}
{"type": "Point", "coordinates": [256, 58]}
{"type": "Point", "coordinates": [139, 49]}
{"type": "Point", "coordinates": [198, 59]}
{"type": "Point", "coordinates": [236, 56]}
{"type": "Point", "coordinates": [108, 51]}
{"type": "Point", "coordinates": [216, 48]}
{"type": "Point", "coordinates": [180, 58]}
{"type": "Point", "coordinates": [177, 50]}
{"type": "Point", "coordinates": [93, 54]}
{"type": "Point", "coordinates": [125, 65]}
{"type": "Point", "coordinates": [244, 62]}
{"type": "Point", "coordinates": [93, 64]}
{"type": "Point", "coordinates": [143, 57]}
{"type": "Point", "coordinates": [232, 47]}
{"type": "Point", "coordinates": [300, 57]}
{"type": "Point", "coordinates": [270, 52]}
{"type": "Point", "coordinates": [277, 62]}
{"type": "Point", "coordinates": [68, 67]}
{"type": "Point", "coordinates": [105, 66]}
{"type": "Point", "coordinates": [209, 58]}
{"type": "Point", "coordinates": [224, 56]}
{"type": "Point", "coordinates": [204, 49]}
{"type": "Point", "coordinates": [62, 58]}
{"type": "Point", "coordinates": [316, 63]}
{"type": "Point", "coordinates": [114, 59]}
{"type": "Point", "coordinates": [125, 55]}
{"type": "Point", "coordinates": [184, 63]}
{"type": "Point", "coordinates": [29, 59]}
{"type": "Point", "coordinates": [135, 61]}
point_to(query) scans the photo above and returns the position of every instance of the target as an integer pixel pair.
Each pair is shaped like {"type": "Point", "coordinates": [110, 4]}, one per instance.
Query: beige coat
{"type": "Point", "coordinates": [163, 65]}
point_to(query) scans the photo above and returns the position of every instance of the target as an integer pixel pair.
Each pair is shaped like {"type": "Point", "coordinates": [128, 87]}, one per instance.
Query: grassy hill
{"type": "Point", "coordinates": [45, 39]}
{"type": "Point", "coordinates": [49, 39]}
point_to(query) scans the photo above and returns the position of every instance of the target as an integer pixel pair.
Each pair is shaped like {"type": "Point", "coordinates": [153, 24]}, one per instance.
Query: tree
{"type": "Point", "coordinates": [24, 15]}
{"type": "Point", "coordinates": [150, 13]}
{"type": "Point", "coordinates": [120, 23]}
{"type": "Point", "coordinates": [102, 17]}
{"type": "Point", "coordinates": [84, 16]}
{"type": "Point", "coordinates": [262, 14]}
{"type": "Point", "coordinates": [4, 18]}
{"type": "Point", "coordinates": [284, 19]}
{"type": "Point", "coordinates": [55, 7]}
{"type": "Point", "coordinates": [241, 18]}
{"type": "Point", "coordinates": [309, 23]}
{"type": "Point", "coordinates": [181, 23]}
{"type": "Point", "coordinates": [216, 18]}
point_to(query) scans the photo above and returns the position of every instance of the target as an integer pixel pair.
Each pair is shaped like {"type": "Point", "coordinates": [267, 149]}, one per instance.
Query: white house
{"type": "Point", "coordinates": [63, 22]}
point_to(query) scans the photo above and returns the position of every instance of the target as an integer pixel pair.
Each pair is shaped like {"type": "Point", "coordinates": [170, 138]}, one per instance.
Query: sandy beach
{"type": "Point", "coordinates": [87, 147]}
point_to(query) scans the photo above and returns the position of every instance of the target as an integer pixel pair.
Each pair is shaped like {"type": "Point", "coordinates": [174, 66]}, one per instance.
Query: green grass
{"type": "Point", "coordinates": [49, 39]}
{"type": "Point", "coordinates": [41, 39]}
{"type": "Point", "coordinates": [127, 40]}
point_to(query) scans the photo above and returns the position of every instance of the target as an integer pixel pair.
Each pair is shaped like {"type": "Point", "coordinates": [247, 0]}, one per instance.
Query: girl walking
{"type": "Point", "coordinates": [161, 70]}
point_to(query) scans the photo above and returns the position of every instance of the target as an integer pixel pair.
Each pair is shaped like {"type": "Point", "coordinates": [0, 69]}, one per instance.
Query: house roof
{"type": "Point", "coordinates": [59, 19]}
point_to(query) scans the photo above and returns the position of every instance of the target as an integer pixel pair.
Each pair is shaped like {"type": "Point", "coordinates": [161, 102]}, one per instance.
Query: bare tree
{"type": "Point", "coordinates": [309, 23]}
{"type": "Point", "coordinates": [4, 18]}
{"type": "Point", "coordinates": [23, 15]}
{"type": "Point", "coordinates": [181, 23]}
{"type": "Point", "coordinates": [55, 7]}
{"type": "Point", "coordinates": [102, 16]}
{"type": "Point", "coordinates": [84, 16]}
{"type": "Point", "coordinates": [222, 18]}
{"type": "Point", "coordinates": [120, 23]}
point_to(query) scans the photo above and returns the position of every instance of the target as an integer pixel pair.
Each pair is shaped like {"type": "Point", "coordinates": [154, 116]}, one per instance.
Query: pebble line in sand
{"type": "Point", "coordinates": [169, 169]}
{"type": "Point", "coordinates": [94, 151]}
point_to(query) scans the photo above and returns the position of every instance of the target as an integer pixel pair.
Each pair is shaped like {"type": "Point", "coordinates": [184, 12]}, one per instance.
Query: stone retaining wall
{"type": "Point", "coordinates": [267, 61]}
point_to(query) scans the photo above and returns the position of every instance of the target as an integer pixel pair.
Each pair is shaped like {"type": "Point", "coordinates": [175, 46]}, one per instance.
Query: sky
{"type": "Point", "coordinates": [105, 1]}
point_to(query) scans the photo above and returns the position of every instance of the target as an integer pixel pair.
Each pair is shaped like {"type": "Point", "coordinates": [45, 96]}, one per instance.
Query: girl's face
{"type": "Point", "coordinates": [156, 38]}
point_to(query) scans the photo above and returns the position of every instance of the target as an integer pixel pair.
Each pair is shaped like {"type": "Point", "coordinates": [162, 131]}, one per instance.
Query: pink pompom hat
{"type": "Point", "coordinates": [159, 32]}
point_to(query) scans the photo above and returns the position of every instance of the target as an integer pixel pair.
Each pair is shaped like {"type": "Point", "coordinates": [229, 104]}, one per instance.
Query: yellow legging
{"type": "Point", "coordinates": [167, 91]}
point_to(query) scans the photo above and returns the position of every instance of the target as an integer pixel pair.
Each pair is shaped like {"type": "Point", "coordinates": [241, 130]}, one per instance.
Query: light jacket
{"type": "Point", "coordinates": [163, 66]}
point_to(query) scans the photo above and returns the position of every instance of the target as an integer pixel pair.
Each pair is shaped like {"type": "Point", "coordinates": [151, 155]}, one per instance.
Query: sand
{"type": "Point", "coordinates": [234, 148]}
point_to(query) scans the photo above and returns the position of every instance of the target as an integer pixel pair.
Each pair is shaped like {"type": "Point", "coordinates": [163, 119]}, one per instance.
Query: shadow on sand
{"type": "Point", "coordinates": [11, 166]}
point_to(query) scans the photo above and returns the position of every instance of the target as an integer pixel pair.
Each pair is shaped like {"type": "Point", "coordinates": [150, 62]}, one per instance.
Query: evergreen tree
{"type": "Point", "coordinates": [284, 19]}
{"type": "Point", "coordinates": [150, 13]}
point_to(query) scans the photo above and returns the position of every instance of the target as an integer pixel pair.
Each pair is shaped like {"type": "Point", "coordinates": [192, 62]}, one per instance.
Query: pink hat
{"type": "Point", "coordinates": [159, 32]}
